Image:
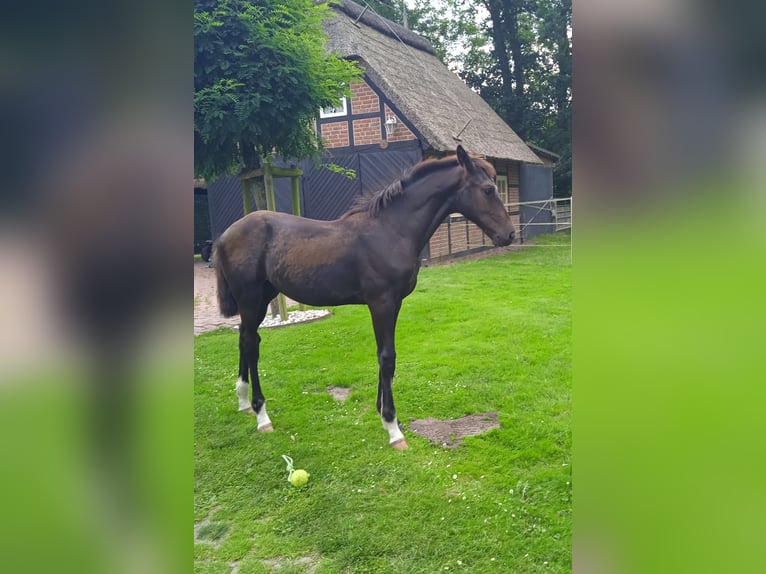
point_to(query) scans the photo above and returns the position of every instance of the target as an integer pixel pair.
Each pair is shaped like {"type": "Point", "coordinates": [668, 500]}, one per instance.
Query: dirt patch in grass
{"type": "Point", "coordinates": [448, 433]}
{"type": "Point", "coordinates": [209, 532]}
{"type": "Point", "coordinates": [306, 564]}
{"type": "Point", "coordinates": [339, 393]}
{"type": "Point", "coordinates": [212, 532]}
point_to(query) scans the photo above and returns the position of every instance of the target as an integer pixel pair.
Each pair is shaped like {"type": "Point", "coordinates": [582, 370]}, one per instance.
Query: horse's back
{"type": "Point", "coordinates": [309, 260]}
{"type": "Point", "coordinates": [269, 230]}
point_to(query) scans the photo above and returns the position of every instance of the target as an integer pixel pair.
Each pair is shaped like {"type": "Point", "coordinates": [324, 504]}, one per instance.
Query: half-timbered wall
{"type": "Point", "coordinates": [364, 121]}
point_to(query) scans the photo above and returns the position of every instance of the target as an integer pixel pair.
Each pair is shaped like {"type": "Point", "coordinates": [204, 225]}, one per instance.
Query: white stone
{"type": "Point", "coordinates": [294, 317]}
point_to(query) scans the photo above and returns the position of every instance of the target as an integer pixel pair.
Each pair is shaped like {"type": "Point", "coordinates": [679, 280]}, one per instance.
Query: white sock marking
{"type": "Point", "coordinates": [394, 434]}
{"type": "Point", "coordinates": [243, 394]}
{"type": "Point", "coordinates": [262, 417]}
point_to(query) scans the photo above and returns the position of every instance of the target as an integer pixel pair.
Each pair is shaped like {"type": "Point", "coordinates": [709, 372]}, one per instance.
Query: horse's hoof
{"type": "Point", "coordinates": [400, 444]}
{"type": "Point", "coordinates": [266, 428]}
{"type": "Point", "coordinates": [248, 411]}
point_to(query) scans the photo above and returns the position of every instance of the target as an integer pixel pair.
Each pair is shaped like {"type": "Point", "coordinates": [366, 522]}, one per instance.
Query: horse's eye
{"type": "Point", "coordinates": [489, 190]}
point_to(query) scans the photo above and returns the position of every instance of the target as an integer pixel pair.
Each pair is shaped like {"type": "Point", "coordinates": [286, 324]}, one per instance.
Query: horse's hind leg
{"type": "Point", "coordinates": [250, 342]}
{"type": "Point", "coordinates": [243, 382]}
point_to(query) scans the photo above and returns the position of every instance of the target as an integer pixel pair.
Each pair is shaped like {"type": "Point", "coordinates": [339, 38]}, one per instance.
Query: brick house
{"type": "Point", "coordinates": [408, 107]}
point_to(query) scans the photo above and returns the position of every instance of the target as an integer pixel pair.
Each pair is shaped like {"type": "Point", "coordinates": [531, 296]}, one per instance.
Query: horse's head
{"type": "Point", "coordinates": [477, 199]}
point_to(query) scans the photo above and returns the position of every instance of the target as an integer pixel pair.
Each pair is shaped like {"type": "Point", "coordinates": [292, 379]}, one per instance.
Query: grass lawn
{"type": "Point", "coordinates": [475, 336]}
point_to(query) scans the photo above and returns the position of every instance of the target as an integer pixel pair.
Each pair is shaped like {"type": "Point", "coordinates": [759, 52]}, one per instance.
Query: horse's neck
{"type": "Point", "coordinates": [425, 205]}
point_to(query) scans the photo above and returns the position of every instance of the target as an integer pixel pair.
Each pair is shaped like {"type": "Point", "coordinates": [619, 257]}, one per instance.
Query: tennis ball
{"type": "Point", "coordinates": [299, 478]}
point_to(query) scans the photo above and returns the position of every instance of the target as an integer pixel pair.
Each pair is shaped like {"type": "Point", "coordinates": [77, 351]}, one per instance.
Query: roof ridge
{"type": "Point", "coordinates": [371, 18]}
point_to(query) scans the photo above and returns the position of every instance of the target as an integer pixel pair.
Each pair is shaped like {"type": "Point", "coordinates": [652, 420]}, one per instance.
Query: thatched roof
{"type": "Point", "coordinates": [435, 100]}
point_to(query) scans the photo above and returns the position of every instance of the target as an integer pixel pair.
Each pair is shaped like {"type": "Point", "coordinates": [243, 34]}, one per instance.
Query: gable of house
{"type": "Point", "coordinates": [430, 100]}
{"type": "Point", "coordinates": [361, 120]}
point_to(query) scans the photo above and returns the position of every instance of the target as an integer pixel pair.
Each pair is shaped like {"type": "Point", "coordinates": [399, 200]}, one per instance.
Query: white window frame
{"type": "Point", "coordinates": [501, 181]}
{"type": "Point", "coordinates": [335, 112]}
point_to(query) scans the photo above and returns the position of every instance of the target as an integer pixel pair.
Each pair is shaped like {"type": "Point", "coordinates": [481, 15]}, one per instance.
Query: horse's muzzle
{"type": "Point", "coordinates": [503, 240]}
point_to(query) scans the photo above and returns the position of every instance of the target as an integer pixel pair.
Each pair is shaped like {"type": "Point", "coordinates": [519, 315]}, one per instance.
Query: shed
{"type": "Point", "coordinates": [548, 158]}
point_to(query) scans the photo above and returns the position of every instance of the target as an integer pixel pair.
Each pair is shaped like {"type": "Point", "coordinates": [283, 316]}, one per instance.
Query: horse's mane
{"type": "Point", "coordinates": [373, 203]}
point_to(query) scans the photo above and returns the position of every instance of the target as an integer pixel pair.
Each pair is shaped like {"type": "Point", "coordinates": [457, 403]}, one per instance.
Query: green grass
{"type": "Point", "coordinates": [212, 531]}
{"type": "Point", "coordinates": [476, 336]}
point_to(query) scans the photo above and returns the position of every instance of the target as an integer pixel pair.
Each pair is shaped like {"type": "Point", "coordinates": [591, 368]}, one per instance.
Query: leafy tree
{"type": "Point", "coordinates": [261, 72]}
{"type": "Point", "coordinates": [390, 9]}
{"type": "Point", "coordinates": [454, 29]}
{"type": "Point", "coordinates": [517, 54]}
{"type": "Point", "coordinates": [555, 31]}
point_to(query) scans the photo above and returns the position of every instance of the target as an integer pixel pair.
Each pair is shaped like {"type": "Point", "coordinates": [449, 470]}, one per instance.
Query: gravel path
{"type": "Point", "coordinates": [207, 317]}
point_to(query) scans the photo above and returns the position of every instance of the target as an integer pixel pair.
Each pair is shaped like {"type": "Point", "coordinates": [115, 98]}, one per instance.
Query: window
{"type": "Point", "coordinates": [340, 110]}
{"type": "Point", "coordinates": [502, 189]}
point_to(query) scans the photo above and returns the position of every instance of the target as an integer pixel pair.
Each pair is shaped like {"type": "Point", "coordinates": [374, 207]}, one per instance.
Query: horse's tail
{"type": "Point", "coordinates": [226, 302]}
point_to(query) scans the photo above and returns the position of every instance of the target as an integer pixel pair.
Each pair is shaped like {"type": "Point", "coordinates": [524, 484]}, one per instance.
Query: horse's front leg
{"type": "Point", "coordinates": [384, 317]}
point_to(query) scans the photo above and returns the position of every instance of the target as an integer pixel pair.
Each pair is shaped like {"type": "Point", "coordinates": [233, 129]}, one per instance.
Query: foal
{"type": "Point", "coordinates": [370, 256]}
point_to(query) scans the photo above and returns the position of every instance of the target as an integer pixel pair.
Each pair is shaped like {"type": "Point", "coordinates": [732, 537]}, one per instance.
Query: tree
{"type": "Point", "coordinates": [261, 73]}
{"type": "Point", "coordinates": [517, 54]}
{"type": "Point", "coordinates": [557, 25]}
{"type": "Point", "coordinates": [390, 9]}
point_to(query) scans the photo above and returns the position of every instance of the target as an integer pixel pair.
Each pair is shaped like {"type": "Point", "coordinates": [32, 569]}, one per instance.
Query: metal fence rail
{"type": "Point", "coordinates": [458, 236]}
{"type": "Point", "coordinates": [554, 212]}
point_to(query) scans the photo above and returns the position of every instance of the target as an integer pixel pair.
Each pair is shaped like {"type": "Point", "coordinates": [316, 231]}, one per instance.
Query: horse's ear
{"type": "Point", "coordinates": [464, 159]}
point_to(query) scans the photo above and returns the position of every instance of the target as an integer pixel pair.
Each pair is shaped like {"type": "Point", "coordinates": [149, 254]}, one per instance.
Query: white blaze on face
{"type": "Point", "coordinates": [243, 393]}
{"type": "Point", "coordinates": [394, 434]}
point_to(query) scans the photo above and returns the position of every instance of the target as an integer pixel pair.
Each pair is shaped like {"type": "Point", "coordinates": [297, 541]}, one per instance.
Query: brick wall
{"type": "Point", "coordinates": [456, 237]}
{"type": "Point", "coordinates": [439, 244]}
{"type": "Point", "coordinates": [363, 99]}
{"type": "Point", "coordinates": [475, 237]}
{"type": "Point", "coordinates": [367, 131]}
{"type": "Point", "coordinates": [335, 134]}
{"type": "Point", "coordinates": [401, 132]}
{"type": "Point", "coordinates": [513, 174]}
